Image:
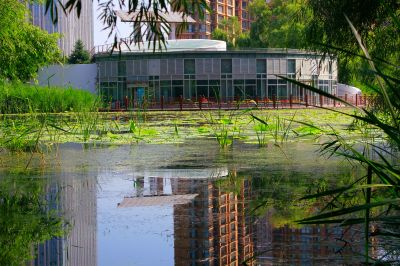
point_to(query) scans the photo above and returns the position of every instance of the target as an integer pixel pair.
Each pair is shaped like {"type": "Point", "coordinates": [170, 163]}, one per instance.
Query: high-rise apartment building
{"type": "Point", "coordinates": [221, 9]}
{"type": "Point", "coordinates": [69, 25]}
{"type": "Point", "coordinates": [242, 12]}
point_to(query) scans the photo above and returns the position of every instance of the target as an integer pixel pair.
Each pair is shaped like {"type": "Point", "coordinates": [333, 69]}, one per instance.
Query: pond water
{"type": "Point", "coordinates": [171, 204]}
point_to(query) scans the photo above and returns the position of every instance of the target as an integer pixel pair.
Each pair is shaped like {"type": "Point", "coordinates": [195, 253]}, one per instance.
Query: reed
{"type": "Point", "coordinates": [223, 127]}
{"type": "Point", "coordinates": [261, 129]}
{"type": "Point", "coordinates": [379, 189]}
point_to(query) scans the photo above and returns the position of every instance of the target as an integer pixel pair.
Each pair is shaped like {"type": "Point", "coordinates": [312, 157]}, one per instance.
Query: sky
{"type": "Point", "coordinates": [101, 36]}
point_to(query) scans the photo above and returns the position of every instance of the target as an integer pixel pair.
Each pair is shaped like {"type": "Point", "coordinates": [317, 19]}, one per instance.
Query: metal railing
{"type": "Point", "coordinates": [229, 103]}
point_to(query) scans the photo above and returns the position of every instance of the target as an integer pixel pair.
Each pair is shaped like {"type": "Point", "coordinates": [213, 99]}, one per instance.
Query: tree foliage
{"type": "Point", "coordinates": [376, 22]}
{"type": "Point", "coordinates": [276, 24]}
{"type": "Point", "coordinates": [24, 48]}
{"type": "Point", "coordinates": [24, 220]}
{"type": "Point", "coordinates": [229, 31]}
{"type": "Point", "coordinates": [79, 55]}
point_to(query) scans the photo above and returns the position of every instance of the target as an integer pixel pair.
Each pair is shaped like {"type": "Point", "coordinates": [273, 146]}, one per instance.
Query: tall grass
{"type": "Point", "coordinates": [17, 98]}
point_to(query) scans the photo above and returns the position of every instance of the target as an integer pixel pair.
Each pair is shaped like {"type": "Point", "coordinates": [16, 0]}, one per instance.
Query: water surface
{"type": "Point", "coordinates": [180, 204]}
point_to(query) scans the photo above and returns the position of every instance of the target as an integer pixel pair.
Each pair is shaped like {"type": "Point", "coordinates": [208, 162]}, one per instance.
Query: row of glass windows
{"type": "Point", "coordinates": [226, 66]}
{"type": "Point", "coordinates": [223, 90]}
{"type": "Point", "coordinates": [193, 66]}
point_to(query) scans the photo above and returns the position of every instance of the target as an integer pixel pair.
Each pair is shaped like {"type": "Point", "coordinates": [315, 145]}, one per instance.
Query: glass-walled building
{"type": "Point", "coordinates": [213, 74]}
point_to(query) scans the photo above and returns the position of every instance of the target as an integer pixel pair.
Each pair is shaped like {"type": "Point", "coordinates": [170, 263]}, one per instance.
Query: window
{"type": "Point", "coordinates": [189, 66]}
{"type": "Point", "coordinates": [230, 11]}
{"type": "Point", "coordinates": [226, 66]}
{"type": "Point", "coordinates": [121, 68]}
{"type": "Point", "coordinates": [291, 66]}
{"type": "Point", "coordinates": [244, 5]}
{"type": "Point", "coordinates": [230, 2]}
{"type": "Point", "coordinates": [261, 66]}
{"type": "Point", "coordinates": [220, 9]}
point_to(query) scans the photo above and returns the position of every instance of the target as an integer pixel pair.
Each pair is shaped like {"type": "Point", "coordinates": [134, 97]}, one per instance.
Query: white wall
{"type": "Point", "coordinates": [81, 76]}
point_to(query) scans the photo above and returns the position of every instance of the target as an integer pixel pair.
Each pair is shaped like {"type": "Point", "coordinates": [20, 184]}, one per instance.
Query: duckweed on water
{"type": "Point", "coordinates": [21, 132]}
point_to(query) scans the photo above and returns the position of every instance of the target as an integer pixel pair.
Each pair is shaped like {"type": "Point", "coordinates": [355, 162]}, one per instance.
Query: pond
{"type": "Point", "coordinates": [171, 204]}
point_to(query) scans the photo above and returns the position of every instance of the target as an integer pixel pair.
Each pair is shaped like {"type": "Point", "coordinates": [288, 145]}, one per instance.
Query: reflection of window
{"type": "Point", "coordinates": [323, 85]}
{"type": "Point", "coordinates": [189, 66]}
{"type": "Point", "coordinates": [291, 66]}
{"type": "Point", "coordinates": [261, 66]}
{"type": "Point", "coordinates": [223, 230]}
{"type": "Point", "coordinates": [206, 253]}
{"type": "Point", "coordinates": [226, 66]}
{"type": "Point", "coordinates": [314, 80]}
{"type": "Point", "coordinates": [277, 87]}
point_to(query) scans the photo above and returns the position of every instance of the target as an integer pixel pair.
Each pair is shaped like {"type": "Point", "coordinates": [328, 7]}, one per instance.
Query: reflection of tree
{"type": "Point", "coordinates": [278, 194]}
{"type": "Point", "coordinates": [24, 219]}
{"type": "Point", "coordinates": [274, 198]}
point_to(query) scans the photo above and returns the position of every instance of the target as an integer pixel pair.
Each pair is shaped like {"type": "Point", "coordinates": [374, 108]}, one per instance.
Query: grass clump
{"type": "Point", "coordinates": [17, 98]}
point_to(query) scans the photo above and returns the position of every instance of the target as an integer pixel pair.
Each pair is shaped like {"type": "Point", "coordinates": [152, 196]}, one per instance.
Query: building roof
{"type": "Point", "coordinates": [156, 200]}
{"type": "Point", "coordinates": [171, 46]}
{"type": "Point", "coordinates": [171, 17]}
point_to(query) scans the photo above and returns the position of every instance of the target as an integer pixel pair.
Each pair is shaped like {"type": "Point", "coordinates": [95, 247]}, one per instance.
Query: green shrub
{"type": "Point", "coordinates": [25, 98]}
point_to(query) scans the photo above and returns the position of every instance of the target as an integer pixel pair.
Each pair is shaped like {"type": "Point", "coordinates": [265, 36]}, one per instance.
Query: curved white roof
{"type": "Point", "coordinates": [177, 45]}
{"type": "Point", "coordinates": [343, 89]}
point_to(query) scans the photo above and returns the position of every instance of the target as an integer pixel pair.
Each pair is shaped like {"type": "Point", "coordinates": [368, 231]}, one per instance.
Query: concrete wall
{"type": "Point", "coordinates": [81, 76]}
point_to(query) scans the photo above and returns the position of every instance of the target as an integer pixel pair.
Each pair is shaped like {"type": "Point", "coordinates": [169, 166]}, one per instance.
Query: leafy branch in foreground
{"type": "Point", "coordinates": [144, 11]}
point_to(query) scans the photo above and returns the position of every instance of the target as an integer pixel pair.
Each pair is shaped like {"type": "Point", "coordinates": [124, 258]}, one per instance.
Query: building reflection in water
{"type": "Point", "coordinates": [212, 226]}
{"type": "Point", "coordinates": [213, 229]}
{"type": "Point", "coordinates": [75, 199]}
